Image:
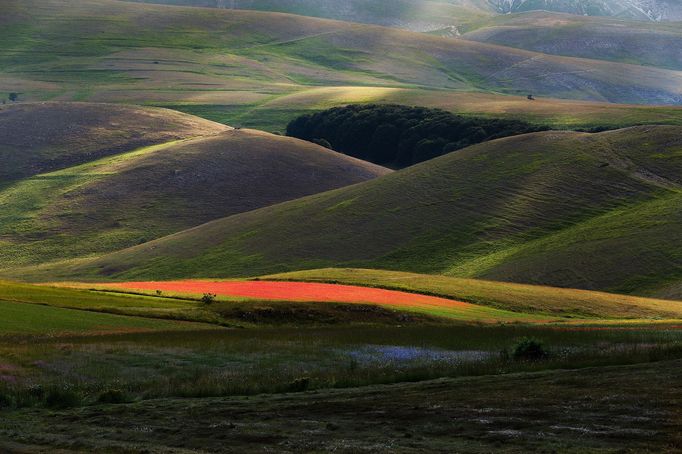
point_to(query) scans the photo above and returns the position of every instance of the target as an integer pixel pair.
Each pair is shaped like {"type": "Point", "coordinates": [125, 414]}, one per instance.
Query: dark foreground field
{"type": "Point", "coordinates": [609, 409]}
{"type": "Point", "coordinates": [345, 389]}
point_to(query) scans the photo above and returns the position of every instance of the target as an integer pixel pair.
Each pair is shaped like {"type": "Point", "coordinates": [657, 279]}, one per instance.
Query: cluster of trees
{"type": "Point", "coordinates": [399, 136]}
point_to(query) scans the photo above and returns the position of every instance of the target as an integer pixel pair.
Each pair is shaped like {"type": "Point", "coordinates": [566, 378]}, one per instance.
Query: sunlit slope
{"type": "Point", "coordinates": [119, 51]}
{"type": "Point", "coordinates": [414, 15]}
{"type": "Point", "coordinates": [563, 302]}
{"type": "Point", "coordinates": [593, 211]}
{"type": "Point", "coordinates": [34, 310]}
{"type": "Point", "coordinates": [130, 198]}
{"type": "Point", "coordinates": [43, 137]}
{"type": "Point", "coordinates": [274, 114]}
{"type": "Point", "coordinates": [645, 43]}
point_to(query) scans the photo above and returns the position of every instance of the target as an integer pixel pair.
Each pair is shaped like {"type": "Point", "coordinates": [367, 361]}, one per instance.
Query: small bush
{"type": "Point", "coordinates": [62, 398]}
{"type": "Point", "coordinates": [529, 349]}
{"type": "Point", "coordinates": [112, 396]}
{"type": "Point", "coordinates": [299, 385]}
{"type": "Point", "coordinates": [5, 400]}
{"type": "Point", "coordinates": [208, 298]}
{"type": "Point", "coordinates": [36, 391]}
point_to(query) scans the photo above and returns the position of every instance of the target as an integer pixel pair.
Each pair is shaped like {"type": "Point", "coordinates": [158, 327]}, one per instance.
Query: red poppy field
{"type": "Point", "coordinates": [324, 293]}
{"type": "Point", "coordinates": [295, 291]}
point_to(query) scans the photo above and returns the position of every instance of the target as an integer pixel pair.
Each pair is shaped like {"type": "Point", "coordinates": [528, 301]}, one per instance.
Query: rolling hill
{"type": "Point", "coordinates": [642, 43]}
{"type": "Point", "coordinates": [44, 137]}
{"type": "Point", "coordinates": [591, 211]}
{"type": "Point", "coordinates": [120, 200]}
{"type": "Point", "coordinates": [414, 15]}
{"type": "Point", "coordinates": [426, 14]}
{"type": "Point", "coordinates": [154, 53]}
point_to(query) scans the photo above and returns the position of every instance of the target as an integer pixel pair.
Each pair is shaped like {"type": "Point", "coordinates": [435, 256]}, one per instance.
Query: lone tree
{"type": "Point", "coordinates": [14, 97]}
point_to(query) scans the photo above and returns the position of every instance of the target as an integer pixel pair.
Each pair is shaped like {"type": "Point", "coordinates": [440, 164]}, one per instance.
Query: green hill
{"type": "Point", "coordinates": [642, 43]}
{"type": "Point", "coordinates": [591, 211]}
{"type": "Point", "coordinates": [414, 15]}
{"type": "Point", "coordinates": [44, 137]}
{"type": "Point", "coordinates": [104, 50]}
{"type": "Point", "coordinates": [118, 201]}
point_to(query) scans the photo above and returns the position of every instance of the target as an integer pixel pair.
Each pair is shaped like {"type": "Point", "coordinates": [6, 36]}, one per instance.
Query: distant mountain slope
{"type": "Point", "coordinates": [39, 138]}
{"type": "Point", "coordinates": [587, 37]}
{"type": "Point", "coordinates": [422, 15]}
{"type": "Point", "coordinates": [593, 211]}
{"type": "Point", "coordinates": [122, 200]}
{"type": "Point", "coordinates": [651, 10]}
{"type": "Point", "coordinates": [138, 53]}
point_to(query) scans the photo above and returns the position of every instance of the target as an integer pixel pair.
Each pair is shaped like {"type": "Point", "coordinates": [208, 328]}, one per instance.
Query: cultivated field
{"type": "Point", "coordinates": [321, 293]}
{"type": "Point", "coordinates": [561, 302]}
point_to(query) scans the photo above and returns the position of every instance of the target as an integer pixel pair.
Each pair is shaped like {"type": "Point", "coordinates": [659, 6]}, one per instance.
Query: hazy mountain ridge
{"type": "Point", "coordinates": [654, 10]}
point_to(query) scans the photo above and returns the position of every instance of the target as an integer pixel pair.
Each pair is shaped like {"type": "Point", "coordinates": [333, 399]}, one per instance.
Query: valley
{"type": "Point", "coordinates": [354, 226]}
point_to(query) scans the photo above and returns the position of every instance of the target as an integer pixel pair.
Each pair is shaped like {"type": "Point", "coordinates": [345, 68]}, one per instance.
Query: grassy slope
{"type": "Point", "coordinates": [33, 319]}
{"type": "Point", "coordinates": [509, 296]}
{"type": "Point", "coordinates": [39, 138]}
{"type": "Point", "coordinates": [592, 211]}
{"type": "Point", "coordinates": [601, 38]}
{"type": "Point", "coordinates": [120, 201]}
{"type": "Point", "coordinates": [139, 52]}
{"type": "Point", "coordinates": [28, 309]}
{"type": "Point", "coordinates": [643, 43]}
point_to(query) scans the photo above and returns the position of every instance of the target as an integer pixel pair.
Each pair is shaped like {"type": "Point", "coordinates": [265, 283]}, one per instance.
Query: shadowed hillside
{"type": "Point", "coordinates": [133, 197]}
{"type": "Point", "coordinates": [39, 138]}
{"type": "Point", "coordinates": [593, 211]}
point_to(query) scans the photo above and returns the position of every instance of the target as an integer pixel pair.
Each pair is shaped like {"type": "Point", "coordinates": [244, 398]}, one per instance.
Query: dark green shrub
{"type": "Point", "coordinates": [529, 349]}
{"type": "Point", "coordinates": [113, 396]}
{"type": "Point", "coordinates": [62, 398]}
{"type": "Point", "coordinates": [299, 385]}
{"type": "Point", "coordinates": [5, 400]}
{"type": "Point", "coordinates": [208, 298]}
{"type": "Point", "coordinates": [323, 143]}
